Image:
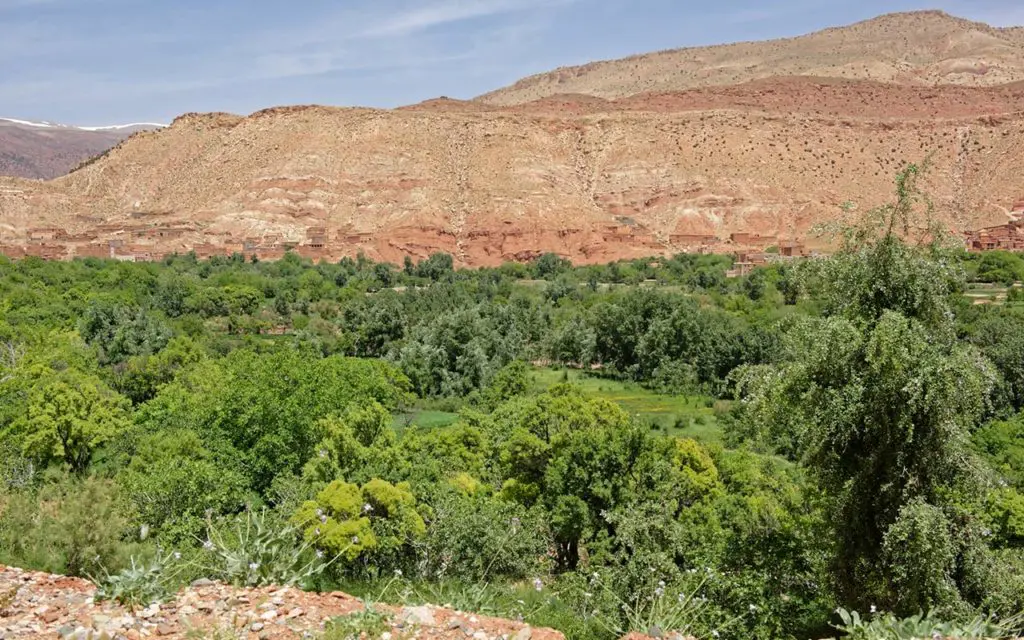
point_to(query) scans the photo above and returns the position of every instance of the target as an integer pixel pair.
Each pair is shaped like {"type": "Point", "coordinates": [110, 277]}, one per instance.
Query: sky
{"type": "Point", "coordinates": [100, 62]}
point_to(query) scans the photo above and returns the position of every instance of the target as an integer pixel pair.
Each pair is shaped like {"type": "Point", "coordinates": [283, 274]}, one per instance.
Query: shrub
{"type": "Point", "coordinates": [136, 585]}
{"type": "Point", "coordinates": [656, 609]}
{"type": "Point", "coordinates": [378, 520]}
{"type": "Point", "coordinates": [173, 481]}
{"type": "Point", "coordinates": [479, 537]}
{"type": "Point", "coordinates": [73, 527]}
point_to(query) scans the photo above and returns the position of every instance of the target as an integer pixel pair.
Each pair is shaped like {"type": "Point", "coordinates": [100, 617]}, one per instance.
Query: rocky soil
{"type": "Point", "coordinates": [40, 605]}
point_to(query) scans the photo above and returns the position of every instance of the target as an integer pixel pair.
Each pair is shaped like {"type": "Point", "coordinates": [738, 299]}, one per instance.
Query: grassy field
{"type": "Point", "coordinates": [683, 415]}
{"type": "Point", "coordinates": [691, 416]}
{"type": "Point", "coordinates": [986, 293]}
{"type": "Point", "coordinates": [426, 418]}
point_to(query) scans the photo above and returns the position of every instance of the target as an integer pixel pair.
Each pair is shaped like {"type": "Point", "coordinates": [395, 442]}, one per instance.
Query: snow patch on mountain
{"type": "Point", "coordinates": [42, 124]}
{"type": "Point", "coordinates": [115, 127]}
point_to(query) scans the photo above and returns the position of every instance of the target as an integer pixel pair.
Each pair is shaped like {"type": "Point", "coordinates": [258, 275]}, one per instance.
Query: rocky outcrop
{"type": "Point", "coordinates": [676, 151]}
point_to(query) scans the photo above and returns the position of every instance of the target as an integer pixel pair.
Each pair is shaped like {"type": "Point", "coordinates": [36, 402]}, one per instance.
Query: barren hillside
{"type": "Point", "coordinates": [494, 185]}
{"type": "Point", "coordinates": [592, 178]}
{"type": "Point", "coordinates": [919, 48]}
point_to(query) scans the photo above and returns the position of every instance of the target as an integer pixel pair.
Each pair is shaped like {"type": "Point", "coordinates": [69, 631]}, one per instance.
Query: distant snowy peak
{"type": "Point", "coordinates": [42, 124]}
{"type": "Point", "coordinates": [31, 123]}
{"type": "Point", "coordinates": [121, 127]}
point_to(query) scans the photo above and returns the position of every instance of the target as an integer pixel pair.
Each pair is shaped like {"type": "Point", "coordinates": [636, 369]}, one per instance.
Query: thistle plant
{"type": "Point", "coordinates": [886, 626]}
{"type": "Point", "coordinates": [256, 552]}
{"type": "Point", "coordinates": [684, 610]}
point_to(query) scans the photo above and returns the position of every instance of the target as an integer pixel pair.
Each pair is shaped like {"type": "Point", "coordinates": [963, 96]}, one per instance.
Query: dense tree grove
{"type": "Point", "coordinates": [870, 453]}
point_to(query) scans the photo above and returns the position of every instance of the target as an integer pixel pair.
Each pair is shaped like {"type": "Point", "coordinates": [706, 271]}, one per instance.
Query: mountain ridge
{"type": "Point", "coordinates": [46, 150]}
{"type": "Point", "coordinates": [587, 78]}
{"type": "Point", "coordinates": [706, 168]}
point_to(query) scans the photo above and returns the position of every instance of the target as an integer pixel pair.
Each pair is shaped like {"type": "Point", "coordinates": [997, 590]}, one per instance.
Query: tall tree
{"type": "Point", "coordinates": [878, 399]}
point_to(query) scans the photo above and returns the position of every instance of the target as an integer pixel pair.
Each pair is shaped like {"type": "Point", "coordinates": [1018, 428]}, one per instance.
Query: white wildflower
{"type": "Point", "coordinates": [398, 573]}
{"type": "Point", "coordinates": [874, 609]}
{"type": "Point", "coordinates": [538, 584]}
{"type": "Point", "coordinates": [355, 539]}
{"type": "Point", "coordinates": [177, 555]}
{"type": "Point", "coordinates": [208, 544]}
{"type": "Point", "coordinates": [319, 553]}
{"type": "Point", "coordinates": [367, 508]}
{"type": "Point", "coordinates": [254, 566]}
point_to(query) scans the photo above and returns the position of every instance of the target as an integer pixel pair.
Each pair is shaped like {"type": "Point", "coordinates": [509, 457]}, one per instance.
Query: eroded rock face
{"type": "Point", "coordinates": [34, 605]}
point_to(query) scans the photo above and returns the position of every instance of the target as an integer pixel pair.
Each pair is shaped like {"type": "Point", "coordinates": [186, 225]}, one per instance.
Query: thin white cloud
{"type": "Point", "coordinates": [59, 69]}
{"type": "Point", "coordinates": [442, 13]}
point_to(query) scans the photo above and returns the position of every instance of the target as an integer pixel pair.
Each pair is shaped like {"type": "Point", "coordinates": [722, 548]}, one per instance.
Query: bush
{"type": "Point", "coordinates": [174, 482]}
{"type": "Point", "coordinates": [479, 537]}
{"type": "Point", "coordinates": [378, 520]}
{"type": "Point", "coordinates": [73, 527]}
{"type": "Point", "coordinates": [137, 585]}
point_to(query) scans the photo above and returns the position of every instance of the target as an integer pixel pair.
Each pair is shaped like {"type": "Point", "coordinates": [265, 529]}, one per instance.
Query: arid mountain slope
{"type": "Point", "coordinates": [44, 152]}
{"type": "Point", "coordinates": [919, 48]}
{"type": "Point", "coordinates": [590, 180]}
{"type": "Point", "coordinates": [674, 151]}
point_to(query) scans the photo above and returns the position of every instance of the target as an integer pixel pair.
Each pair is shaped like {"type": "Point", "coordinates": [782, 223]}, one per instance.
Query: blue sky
{"type": "Point", "coordinates": [96, 62]}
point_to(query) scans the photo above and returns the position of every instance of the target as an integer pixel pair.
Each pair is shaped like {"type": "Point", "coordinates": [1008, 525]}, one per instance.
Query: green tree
{"type": "Point", "coordinates": [437, 267]}
{"type": "Point", "coordinates": [511, 381]}
{"type": "Point", "coordinates": [175, 482]}
{"type": "Point", "coordinates": [68, 418]}
{"type": "Point", "coordinates": [119, 332]}
{"type": "Point", "coordinates": [878, 399]}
